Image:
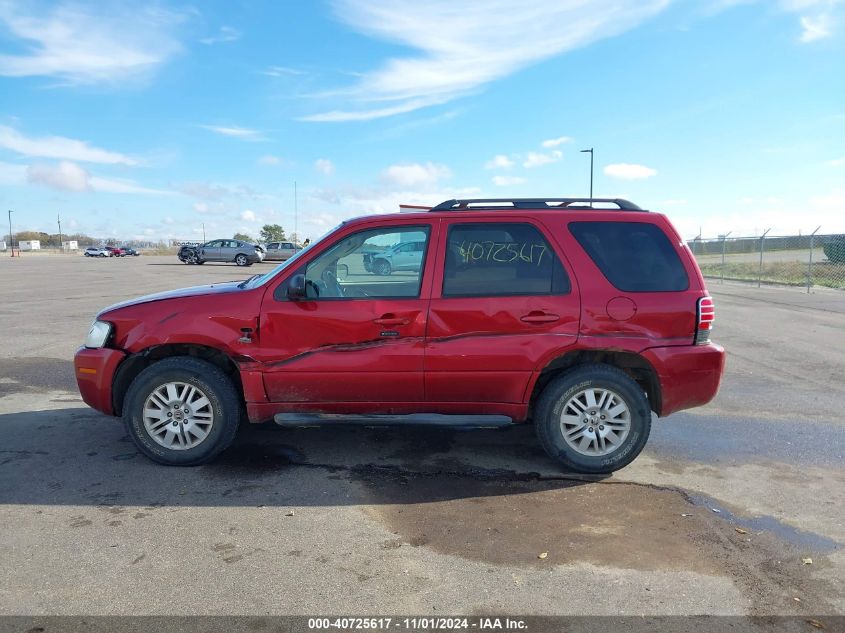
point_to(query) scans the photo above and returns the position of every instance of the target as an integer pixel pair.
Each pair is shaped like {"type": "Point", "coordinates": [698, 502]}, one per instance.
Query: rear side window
{"type": "Point", "coordinates": [501, 259]}
{"type": "Point", "coordinates": [634, 256]}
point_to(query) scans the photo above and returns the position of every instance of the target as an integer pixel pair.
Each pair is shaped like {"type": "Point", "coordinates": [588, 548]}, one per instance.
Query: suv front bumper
{"type": "Point", "coordinates": [94, 370]}
{"type": "Point", "coordinates": [689, 375]}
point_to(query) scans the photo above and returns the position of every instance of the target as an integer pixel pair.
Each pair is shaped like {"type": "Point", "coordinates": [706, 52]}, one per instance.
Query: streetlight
{"type": "Point", "coordinates": [590, 152]}
{"type": "Point", "coordinates": [11, 239]}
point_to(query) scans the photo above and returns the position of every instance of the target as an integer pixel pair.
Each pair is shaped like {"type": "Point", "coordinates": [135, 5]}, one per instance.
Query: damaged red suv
{"type": "Point", "coordinates": [581, 316]}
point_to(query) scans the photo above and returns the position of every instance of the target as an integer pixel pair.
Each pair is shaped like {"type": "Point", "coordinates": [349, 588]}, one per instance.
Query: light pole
{"type": "Point", "coordinates": [590, 152]}
{"type": "Point", "coordinates": [11, 239]}
{"type": "Point", "coordinates": [61, 242]}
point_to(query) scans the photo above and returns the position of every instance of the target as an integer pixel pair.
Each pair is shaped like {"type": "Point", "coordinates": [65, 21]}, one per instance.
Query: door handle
{"type": "Point", "coordinates": [391, 320]}
{"type": "Point", "coordinates": [540, 317]}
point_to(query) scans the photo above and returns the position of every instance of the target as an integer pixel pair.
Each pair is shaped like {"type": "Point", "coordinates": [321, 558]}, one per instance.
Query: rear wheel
{"type": "Point", "coordinates": [594, 419]}
{"type": "Point", "coordinates": [182, 411]}
{"type": "Point", "coordinates": [241, 260]}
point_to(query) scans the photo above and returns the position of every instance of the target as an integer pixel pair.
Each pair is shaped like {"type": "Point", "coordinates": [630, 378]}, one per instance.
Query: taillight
{"type": "Point", "coordinates": [705, 313]}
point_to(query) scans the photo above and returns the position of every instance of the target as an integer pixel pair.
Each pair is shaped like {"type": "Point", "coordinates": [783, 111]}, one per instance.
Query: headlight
{"type": "Point", "coordinates": [98, 334]}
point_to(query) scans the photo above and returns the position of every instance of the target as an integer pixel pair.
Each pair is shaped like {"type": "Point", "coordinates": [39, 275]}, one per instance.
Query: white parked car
{"type": "Point", "coordinates": [96, 251]}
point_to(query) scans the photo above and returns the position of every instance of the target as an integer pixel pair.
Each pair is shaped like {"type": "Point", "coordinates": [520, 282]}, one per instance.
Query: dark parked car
{"type": "Point", "coordinates": [241, 253]}
{"type": "Point", "coordinates": [583, 321]}
{"type": "Point", "coordinates": [129, 251]}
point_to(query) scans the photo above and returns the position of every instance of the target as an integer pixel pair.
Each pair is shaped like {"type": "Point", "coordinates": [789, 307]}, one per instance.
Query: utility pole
{"type": "Point", "coordinates": [203, 232]}
{"type": "Point", "coordinates": [295, 219]}
{"type": "Point", "coordinates": [11, 239]}
{"type": "Point", "coordinates": [61, 243]}
{"type": "Point", "coordinates": [590, 152]}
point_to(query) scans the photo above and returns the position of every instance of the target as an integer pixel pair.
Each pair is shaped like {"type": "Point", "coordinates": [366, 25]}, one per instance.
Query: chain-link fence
{"type": "Point", "coordinates": [804, 261]}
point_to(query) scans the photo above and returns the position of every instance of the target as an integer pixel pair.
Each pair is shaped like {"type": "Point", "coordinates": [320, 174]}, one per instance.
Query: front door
{"type": "Point", "coordinates": [210, 251]}
{"type": "Point", "coordinates": [355, 337]}
{"type": "Point", "coordinates": [501, 305]}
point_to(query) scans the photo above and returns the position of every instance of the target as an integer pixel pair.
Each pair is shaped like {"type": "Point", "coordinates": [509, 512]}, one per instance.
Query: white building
{"type": "Point", "coordinates": [29, 245]}
{"type": "Point", "coordinates": [2, 245]}
{"type": "Point", "coordinates": [70, 245]}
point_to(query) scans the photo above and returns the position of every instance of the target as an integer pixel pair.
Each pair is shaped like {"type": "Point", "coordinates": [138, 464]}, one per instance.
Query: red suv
{"type": "Point", "coordinates": [584, 320]}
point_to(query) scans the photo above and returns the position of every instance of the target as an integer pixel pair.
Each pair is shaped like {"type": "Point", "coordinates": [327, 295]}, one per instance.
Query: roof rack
{"type": "Point", "coordinates": [532, 203]}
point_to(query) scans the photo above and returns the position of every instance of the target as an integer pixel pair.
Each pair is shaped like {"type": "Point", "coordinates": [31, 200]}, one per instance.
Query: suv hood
{"type": "Point", "coordinates": [193, 291]}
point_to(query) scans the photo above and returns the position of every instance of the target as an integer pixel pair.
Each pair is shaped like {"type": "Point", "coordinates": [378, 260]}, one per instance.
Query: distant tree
{"type": "Point", "coordinates": [272, 233]}
{"type": "Point", "coordinates": [243, 237]}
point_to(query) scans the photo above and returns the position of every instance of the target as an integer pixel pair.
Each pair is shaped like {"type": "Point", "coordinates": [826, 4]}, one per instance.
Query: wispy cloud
{"type": "Point", "coordinates": [819, 19]}
{"type": "Point", "coordinates": [508, 181]}
{"type": "Point", "coordinates": [554, 142]}
{"type": "Point", "coordinates": [59, 147]}
{"type": "Point", "coordinates": [538, 159]}
{"type": "Point", "coordinates": [269, 160]}
{"type": "Point", "coordinates": [225, 34]}
{"type": "Point", "coordinates": [102, 43]}
{"type": "Point", "coordinates": [280, 71]}
{"type": "Point", "coordinates": [415, 174]}
{"type": "Point", "coordinates": [499, 161]}
{"type": "Point", "coordinates": [68, 176]}
{"type": "Point", "coordinates": [464, 46]}
{"type": "Point", "coordinates": [324, 166]}
{"type": "Point", "coordinates": [629, 171]}
{"type": "Point", "coordinates": [234, 131]}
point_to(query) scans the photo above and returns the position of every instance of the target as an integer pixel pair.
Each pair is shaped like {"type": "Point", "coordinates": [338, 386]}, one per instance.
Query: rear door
{"type": "Point", "coordinates": [502, 306]}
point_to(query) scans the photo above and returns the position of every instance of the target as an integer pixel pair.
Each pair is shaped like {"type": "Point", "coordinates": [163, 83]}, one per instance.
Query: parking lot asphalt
{"type": "Point", "coordinates": [721, 514]}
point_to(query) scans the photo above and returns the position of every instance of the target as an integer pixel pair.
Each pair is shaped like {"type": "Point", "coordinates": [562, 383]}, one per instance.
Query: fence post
{"type": "Point", "coordinates": [760, 270]}
{"type": "Point", "coordinates": [810, 264]}
{"type": "Point", "coordinates": [722, 269]}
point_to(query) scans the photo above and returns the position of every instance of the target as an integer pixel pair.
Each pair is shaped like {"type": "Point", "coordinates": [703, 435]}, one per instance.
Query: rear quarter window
{"type": "Point", "coordinates": [633, 256]}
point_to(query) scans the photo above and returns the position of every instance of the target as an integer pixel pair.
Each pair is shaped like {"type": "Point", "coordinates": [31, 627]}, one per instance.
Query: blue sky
{"type": "Point", "coordinates": [139, 120]}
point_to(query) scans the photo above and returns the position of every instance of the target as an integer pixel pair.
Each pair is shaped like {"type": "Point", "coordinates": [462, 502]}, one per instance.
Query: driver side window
{"type": "Point", "coordinates": [364, 265]}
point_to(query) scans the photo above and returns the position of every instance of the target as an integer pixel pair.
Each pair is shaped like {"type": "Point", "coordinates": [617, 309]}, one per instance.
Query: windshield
{"type": "Point", "coordinates": [259, 280]}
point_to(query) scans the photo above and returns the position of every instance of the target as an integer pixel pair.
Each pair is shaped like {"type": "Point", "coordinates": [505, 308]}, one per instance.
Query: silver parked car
{"type": "Point", "coordinates": [280, 251]}
{"type": "Point", "coordinates": [96, 251]}
{"type": "Point", "coordinates": [402, 256]}
{"type": "Point", "coordinates": [241, 253]}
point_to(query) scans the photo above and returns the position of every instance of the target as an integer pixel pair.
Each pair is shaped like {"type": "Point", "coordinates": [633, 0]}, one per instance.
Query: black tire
{"type": "Point", "coordinates": [241, 259]}
{"type": "Point", "coordinates": [381, 267]}
{"type": "Point", "coordinates": [212, 381]}
{"type": "Point", "coordinates": [200, 262]}
{"type": "Point", "coordinates": [547, 418]}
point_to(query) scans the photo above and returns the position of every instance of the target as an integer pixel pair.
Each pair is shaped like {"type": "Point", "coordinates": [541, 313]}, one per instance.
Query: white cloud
{"type": "Point", "coordinates": [815, 28]}
{"type": "Point", "coordinates": [508, 181]}
{"type": "Point", "coordinates": [628, 171]}
{"type": "Point", "coordinates": [68, 176]}
{"type": "Point", "coordinates": [225, 34]}
{"type": "Point", "coordinates": [105, 42]}
{"type": "Point", "coordinates": [819, 19]}
{"type": "Point", "coordinates": [280, 71]}
{"type": "Point", "coordinates": [537, 159]}
{"type": "Point", "coordinates": [59, 147]}
{"type": "Point", "coordinates": [234, 131]}
{"type": "Point", "coordinates": [269, 159]}
{"type": "Point", "coordinates": [464, 46]}
{"type": "Point", "coordinates": [248, 216]}
{"type": "Point", "coordinates": [499, 161]}
{"type": "Point", "coordinates": [554, 142]}
{"type": "Point", "coordinates": [837, 162]}
{"type": "Point", "coordinates": [324, 166]}
{"type": "Point", "coordinates": [65, 176]}
{"type": "Point", "coordinates": [415, 174]}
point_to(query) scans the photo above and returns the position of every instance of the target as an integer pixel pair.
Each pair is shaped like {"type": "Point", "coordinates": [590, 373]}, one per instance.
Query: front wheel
{"type": "Point", "coordinates": [594, 419]}
{"type": "Point", "coordinates": [182, 411]}
{"type": "Point", "coordinates": [381, 267]}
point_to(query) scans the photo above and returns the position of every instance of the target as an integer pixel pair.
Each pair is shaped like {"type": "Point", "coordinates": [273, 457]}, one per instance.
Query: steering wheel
{"type": "Point", "coordinates": [334, 289]}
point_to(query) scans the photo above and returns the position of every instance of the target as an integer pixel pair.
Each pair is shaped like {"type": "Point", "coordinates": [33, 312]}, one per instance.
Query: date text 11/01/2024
{"type": "Point", "coordinates": [417, 624]}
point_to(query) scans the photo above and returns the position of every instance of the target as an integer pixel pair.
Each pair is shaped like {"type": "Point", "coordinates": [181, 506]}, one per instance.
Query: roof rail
{"type": "Point", "coordinates": [531, 203]}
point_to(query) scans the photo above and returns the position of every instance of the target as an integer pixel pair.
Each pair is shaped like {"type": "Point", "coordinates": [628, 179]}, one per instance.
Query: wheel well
{"type": "Point", "coordinates": [632, 364]}
{"type": "Point", "coordinates": [129, 369]}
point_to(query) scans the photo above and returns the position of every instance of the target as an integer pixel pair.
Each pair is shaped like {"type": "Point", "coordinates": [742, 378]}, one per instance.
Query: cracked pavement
{"type": "Point", "coordinates": [715, 517]}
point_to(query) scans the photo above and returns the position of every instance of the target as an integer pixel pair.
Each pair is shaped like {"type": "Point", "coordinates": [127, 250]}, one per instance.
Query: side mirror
{"type": "Point", "coordinates": [296, 287]}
